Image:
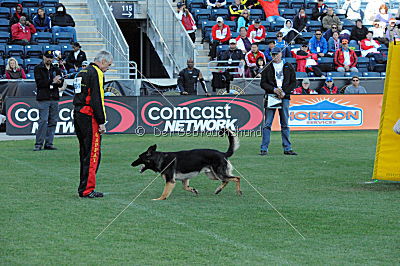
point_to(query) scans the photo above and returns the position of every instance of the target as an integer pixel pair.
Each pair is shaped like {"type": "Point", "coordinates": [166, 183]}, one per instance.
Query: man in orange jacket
{"type": "Point", "coordinates": [271, 10]}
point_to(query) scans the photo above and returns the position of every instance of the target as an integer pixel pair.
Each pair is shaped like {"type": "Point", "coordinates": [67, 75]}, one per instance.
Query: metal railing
{"type": "Point", "coordinates": [178, 45]}
{"type": "Point", "coordinates": [236, 67]}
{"type": "Point", "coordinates": [109, 29]}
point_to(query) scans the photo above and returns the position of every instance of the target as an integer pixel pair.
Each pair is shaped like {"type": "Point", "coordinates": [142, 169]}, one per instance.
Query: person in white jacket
{"type": "Point", "coordinates": [353, 9]}
{"type": "Point", "coordinates": [369, 45]}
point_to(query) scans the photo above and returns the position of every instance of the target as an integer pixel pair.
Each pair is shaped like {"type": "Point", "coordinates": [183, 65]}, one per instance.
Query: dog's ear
{"type": "Point", "coordinates": [152, 148]}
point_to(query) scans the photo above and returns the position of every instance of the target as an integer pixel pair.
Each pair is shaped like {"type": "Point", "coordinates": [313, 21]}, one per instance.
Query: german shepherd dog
{"type": "Point", "coordinates": [183, 165]}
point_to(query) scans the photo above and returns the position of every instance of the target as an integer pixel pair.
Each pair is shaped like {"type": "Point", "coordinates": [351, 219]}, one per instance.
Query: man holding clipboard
{"type": "Point", "coordinates": [278, 80]}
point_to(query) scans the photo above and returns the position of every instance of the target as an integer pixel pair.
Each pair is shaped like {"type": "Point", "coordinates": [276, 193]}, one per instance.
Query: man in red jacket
{"type": "Point", "coordinates": [221, 34]}
{"type": "Point", "coordinates": [256, 31]}
{"type": "Point", "coordinates": [345, 58]}
{"type": "Point", "coordinates": [22, 32]}
{"type": "Point", "coordinates": [271, 10]}
{"type": "Point", "coordinates": [252, 57]}
{"type": "Point", "coordinates": [187, 20]}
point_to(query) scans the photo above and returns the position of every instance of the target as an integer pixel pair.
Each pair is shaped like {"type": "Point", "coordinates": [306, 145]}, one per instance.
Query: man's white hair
{"type": "Point", "coordinates": [106, 55]}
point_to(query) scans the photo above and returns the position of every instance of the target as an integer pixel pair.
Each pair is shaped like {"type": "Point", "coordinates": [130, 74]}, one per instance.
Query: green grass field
{"type": "Point", "coordinates": [322, 192]}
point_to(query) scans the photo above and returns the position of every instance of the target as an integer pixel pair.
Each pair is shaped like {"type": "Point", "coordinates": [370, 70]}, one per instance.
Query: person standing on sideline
{"type": "Point", "coordinates": [48, 81]}
{"type": "Point", "coordinates": [90, 120]}
{"type": "Point", "coordinates": [188, 78]}
{"type": "Point", "coordinates": [278, 79]}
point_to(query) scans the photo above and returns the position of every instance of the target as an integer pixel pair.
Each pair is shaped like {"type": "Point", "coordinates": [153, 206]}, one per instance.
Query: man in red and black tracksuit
{"type": "Point", "coordinates": [89, 121]}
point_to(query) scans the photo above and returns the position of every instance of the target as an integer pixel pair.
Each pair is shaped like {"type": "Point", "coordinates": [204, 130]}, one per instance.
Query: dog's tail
{"type": "Point", "coordinates": [233, 141]}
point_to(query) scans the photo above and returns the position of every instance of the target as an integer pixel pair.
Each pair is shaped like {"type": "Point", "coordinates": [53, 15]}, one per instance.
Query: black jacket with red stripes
{"type": "Point", "coordinates": [89, 93]}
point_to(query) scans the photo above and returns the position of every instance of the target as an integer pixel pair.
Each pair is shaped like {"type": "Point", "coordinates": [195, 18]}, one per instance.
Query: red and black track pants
{"type": "Point", "coordinates": [87, 131]}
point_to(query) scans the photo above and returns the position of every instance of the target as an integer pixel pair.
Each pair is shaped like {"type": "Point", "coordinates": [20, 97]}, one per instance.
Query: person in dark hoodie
{"type": "Point", "coordinates": [17, 15]}
{"type": "Point", "coordinates": [358, 33]}
{"type": "Point", "coordinates": [41, 21]}
{"type": "Point", "coordinates": [63, 22]}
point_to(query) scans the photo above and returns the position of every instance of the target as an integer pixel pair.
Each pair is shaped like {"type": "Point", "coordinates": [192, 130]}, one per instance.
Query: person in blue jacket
{"type": "Point", "coordinates": [318, 45]}
{"type": "Point", "coordinates": [41, 21]}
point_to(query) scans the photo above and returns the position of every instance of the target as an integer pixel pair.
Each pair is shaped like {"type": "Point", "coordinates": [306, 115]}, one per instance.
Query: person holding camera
{"type": "Point", "coordinates": [48, 80]}
{"type": "Point", "coordinates": [187, 20]}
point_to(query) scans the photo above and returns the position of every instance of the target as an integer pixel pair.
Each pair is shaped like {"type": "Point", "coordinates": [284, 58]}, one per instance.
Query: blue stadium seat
{"type": "Point", "coordinates": [348, 24]}
{"type": "Point", "coordinates": [296, 4]}
{"type": "Point", "coordinates": [383, 74]}
{"type": "Point", "coordinates": [30, 75]}
{"type": "Point", "coordinates": [270, 35]}
{"type": "Point", "coordinates": [335, 74]}
{"type": "Point", "coordinates": [4, 25]}
{"type": "Point", "coordinates": [332, 3]}
{"type": "Point", "coordinates": [371, 74]}
{"type": "Point", "coordinates": [326, 61]}
{"type": "Point", "coordinates": [4, 12]}
{"type": "Point", "coordinates": [201, 15]}
{"type": "Point", "coordinates": [29, 3]}
{"type": "Point", "coordinates": [63, 37]}
{"type": "Point", "coordinates": [311, 4]}
{"type": "Point", "coordinates": [33, 51]}
{"type": "Point", "coordinates": [30, 63]}
{"type": "Point", "coordinates": [256, 13]}
{"type": "Point", "coordinates": [301, 75]}
{"type": "Point", "coordinates": [49, 10]}
{"type": "Point", "coordinates": [51, 47]}
{"type": "Point", "coordinates": [262, 47]}
{"type": "Point", "coordinates": [197, 4]}
{"type": "Point", "coordinates": [341, 13]}
{"type": "Point", "coordinates": [266, 24]}
{"type": "Point", "coordinates": [14, 50]}
{"type": "Point", "coordinates": [292, 61]}
{"type": "Point", "coordinates": [231, 24]}
{"type": "Point", "coordinates": [2, 50]}
{"type": "Point", "coordinates": [307, 35]}
{"type": "Point", "coordinates": [4, 37]}
{"type": "Point", "coordinates": [32, 11]}
{"type": "Point", "coordinates": [234, 34]}
{"type": "Point", "coordinates": [308, 12]}
{"type": "Point", "coordinates": [12, 10]}
{"type": "Point", "coordinates": [2, 66]}
{"type": "Point", "coordinates": [66, 49]}
{"type": "Point", "coordinates": [220, 12]}
{"type": "Point", "coordinates": [221, 48]}
{"type": "Point", "coordinates": [314, 25]}
{"type": "Point", "coordinates": [283, 4]}
{"type": "Point", "coordinates": [288, 13]}
{"type": "Point", "coordinates": [42, 37]}
{"type": "Point", "coordinates": [351, 74]}
{"type": "Point", "coordinates": [276, 26]}
{"type": "Point", "coordinates": [46, 3]}
{"type": "Point", "coordinates": [206, 29]}
{"type": "Point", "coordinates": [9, 3]}
{"type": "Point", "coordinates": [363, 64]}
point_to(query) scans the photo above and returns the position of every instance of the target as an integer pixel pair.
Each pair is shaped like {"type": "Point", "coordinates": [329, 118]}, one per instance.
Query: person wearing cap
{"type": "Point", "coordinates": [236, 9]}
{"type": "Point", "coordinates": [187, 20]}
{"type": "Point", "coordinates": [243, 42]}
{"type": "Point", "coordinates": [221, 34]}
{"type": "Point", "coordinates": [48, 82]}
{"type": "Point", "coordinates": [318, 45]}
{"type": "Point", "coordinates": [319, 11]}
{"type": "Point", "coordinates": [271, 10]}
{"type": "Point", "coordinates": [90, 120]}
{"type": "Point", "coordinates": [354, 87]}
{"type": "Point", "coordinates": [345, 59]}
{"type": "Point", "coordinates": [304, 88]}
{"type": "Point", "coordinates": [188, 79]}
{"type": "Point", "coordinates": [61, 21]}
{"type": "Point", "coordinates": [329, 87]}
{"type": "Point", "coordinates": [369, 46]}
{"type": "Point", "coordinates": [279, 79]}
{"type": "Point", "coordinates": [232, 54]}
{"type": "Point", "coordinates": [216, 4]}
{"type": "Point", "coordinates": [75, 58]}
{"type": "Point", "coordinates": [21, 32]}
{"type": "Point", "coordinates": [251, 59]}
{"type": "Point", "coordinates": [307, 61]}
{"type": "Point", "coordinates": [256, 31]}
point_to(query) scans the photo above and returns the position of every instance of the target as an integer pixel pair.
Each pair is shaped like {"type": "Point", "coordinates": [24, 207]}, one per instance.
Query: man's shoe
{"type": "Point", "coordinates": [93, 194]}
{"type": "Point", "coordinates": [289, 152]}
{"type": "Point", "coordinates": [263, 153]}
{"type": "Point", "coordinates": [37, 148]}
{"type": "Point", "coordinates": [51, 148]}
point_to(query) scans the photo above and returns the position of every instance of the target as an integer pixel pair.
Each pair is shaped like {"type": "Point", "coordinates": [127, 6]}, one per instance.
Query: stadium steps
{"type": "Point", "coordinates": [202, 57]}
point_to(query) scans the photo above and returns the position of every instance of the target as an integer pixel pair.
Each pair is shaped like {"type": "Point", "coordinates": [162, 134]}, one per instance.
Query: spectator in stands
{"type": "Point", "coordinates": [243, 42]}
{"type": "Point", "coordinates": [392, 31]}
{"type": "Point", "coordinates": [307, 62]}
{"type": "Point", "coordinates": [41, 21]}
{"type": "Point", "coordinates": [333, 44]}
{"type": "Point", "coordinates": [216, 4]}
{"type": "Point", "coordinates": [278, 78]}
{"type": "Point", "coordinates": [21, 32]}
{"type": "Point", "coordinates": [371, 11]}
{"type": "Point", "coordinates": [345, 58]}
{"type": "Point", "coordinates": [221, 34]}
{"type": "Point", "coordinates": [75, 58]}
{"type": "Point", "coordinates": [358, 33]}
{"type": "Point", "coordinates": [251, 59]}
{"type": "Point", "coordinates": [188, 78]}
{"type": "Point", "coordinates": [345, 34]}
{"type": "Point", "coordinates": [260, 66]}
{"type": "Point", "coordinates": [328, 34]}
{"type": "Point", "coordinates": [282, 44]}
{"type": "Point", "coordinates": [256, 31]}
{"type": "Point", "coordinates": [267, 52]}
{"type": "Point", "coordinates": [63, 22]}
{"type": "Point", "coordinates": [243, 20]}
{"type": "Point", "coordinates": [251, 4]}
{"type": "Point", "coordinates": [304, 88]}
{"type": "Point", "coordinates": [383, 15]}
{"type": "Point", "coordinates": [13, 70]}
{"type": "Point", "coordinates": [352, 7]}
{"type": "Point", "coordinates": [331, 19]}
{"type": "Point", "coordinates": [369, 46]}
{"type": "Point", "coordinates": [290, 34]}
{"type": "Point", "coordinates": [187, 20]}
{"type": "Point", "coordinates": [300, 21]}
{"type": "Point", "coordinates": [271, 10]}
{"type": "Point", "coordinates": [232, 54]}
{"type": "Point", "coordinates": [17, 15]}
{"type": "Point", "coordinates": [60, 63]}
{"type": "Point", "coordinates": [378, 33]}
{"type": "Point", "coordinates": [329, 87]}
{"type": "Point", "coordinates": [355, 87]}
{"type": "Point", "coordinates": [318, 45]}
{"type": "Point", "coordinates": [319, 11]}
{"type": "Point", "coordinates": [236, 9]}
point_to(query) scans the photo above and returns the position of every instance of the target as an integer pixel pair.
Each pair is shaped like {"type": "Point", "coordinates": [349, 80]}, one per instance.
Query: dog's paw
{"type": "Point", "coordinates": [239, 193]}
{"type": "Point", "coordinates": [195, 191]}
{"type": "Point", "coordinates": [218, 190]}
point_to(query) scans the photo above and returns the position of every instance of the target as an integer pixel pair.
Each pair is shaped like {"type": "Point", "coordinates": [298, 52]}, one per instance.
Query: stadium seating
{"type": "Point", "coordinates": [301, 75]}
{"type": "Point", "coordinates": [201, 15]}
{"type": "Point", "coordinates": [42, 37]}
{"type": "Point", "coordinates": [15, 50]}
{"type": "Point", "coordinates": [32, 11]}
{"type": "Point", "coordinates": [33, 51]}
{"type": "Point", "coordinates": [284, 4]}
{"type": "Point", "coordinates": [4, 12]}
{"type": "Point", "coordinates": [371, 74]}
{"type": "Point", "coordinates": [224, 13]}
{"type": "Point", "coordinates": [66, 49]}
{"type": "Point", "coordinates": [48, 3]}
{"type": "Point", "coordinates": [51, 47]}
{"type": "Point", "coordinates": [288, 13]}
{"type": "Point", "coordinates": [4, 25]}
{"type": "Point", "coordinates": [30, 63]}
{"type": "Point", "coordinates": [9, 3]}
{"type": "Point", "coordinates": [2, 50]}
{"type": "Point", "coordinates": [29, 3]}
{"type": "Point", "coordinates": [296, 4]}
{"type": "Point", "coordinates": [4, 37]}
{"type": "Point", "coordinates": [363, 64]}
{"type": "Point", "coordinates": [62, 37]}
{"type": "Point", "coordinates": [351, 74]}
{"type": "Point", "coordinates": [335, 74]}
{"type": "Point", "coordinates": [256, 13]}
